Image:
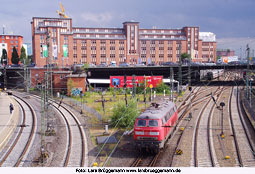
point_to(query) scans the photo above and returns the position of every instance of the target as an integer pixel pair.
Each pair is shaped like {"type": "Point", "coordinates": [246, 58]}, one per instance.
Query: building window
{"type": "Point", "coordinates": [112, 42]}
{"type": "Point", "coordinates": [83, 55]}
{"type": "Point", "coordinates": [66, 40]}
{"type": "Point", "coordinates": [112, 55]}
{"type": "Point", "coordinates": [143, 42]}
{"type": "Point", "coordinates": [103, 55]}
{"type": "Point", "coordinates": [143, 56]}
{"type": "Point", "coordinates": [121, 42]}
{"type": "Point", "coordinates": [93, 42]}
{"type": "Point", "coordinates": [83, 42]}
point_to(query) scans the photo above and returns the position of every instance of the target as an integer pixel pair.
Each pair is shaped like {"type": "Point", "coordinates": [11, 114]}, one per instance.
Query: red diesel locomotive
{"type": "Point", "coordinates": [154, 126]}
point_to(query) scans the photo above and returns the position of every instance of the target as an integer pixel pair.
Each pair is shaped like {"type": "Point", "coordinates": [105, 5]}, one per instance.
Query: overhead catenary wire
{"type": "Point", "coordinates": [108, 137]}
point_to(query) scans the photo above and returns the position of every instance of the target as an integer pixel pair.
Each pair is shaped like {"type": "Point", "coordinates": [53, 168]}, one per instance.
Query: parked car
{"type": "Point", "coordinates": [169, 64]}
{"type": "Point", "coordinates": [15, 65]}
{"type": "Point", "coordinates": [31, 65]}
{"type": "Point", "coordinates": [123, 65]}
{"type": "Point", "coordinates": [102, 65]}
{"type": "Point", "coordinates": [235, 63]}
{"type": "Point", "coordinates": [139, 64]}
{"type": "Point", "coordinates": [50, 65]}
{"type": "Point", "coordinates": [92, 65]}
{"type": "Point", "coordinates": [151, 64]}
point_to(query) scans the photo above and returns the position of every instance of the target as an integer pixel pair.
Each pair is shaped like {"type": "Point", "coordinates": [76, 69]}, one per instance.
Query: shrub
{"type": "Point", "coordinates": [124, 116]}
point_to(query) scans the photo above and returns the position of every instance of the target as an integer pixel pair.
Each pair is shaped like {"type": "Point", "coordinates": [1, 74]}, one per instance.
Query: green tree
{"type": "Point", "coordinates": [123, 116]}
{"type": "Point", "coordinates": [15, 56]}
{"type": "Point", "coordinates": [161, 87]}
{"type": "Point", "coordinates": [4, 57]}
{"type": "Point", "coordinates": [70, 86]}
{"type": "Point", "coordinates": [185, 56]}
{"type": "Point", "coordinates": [85, 67]}
{"type": "Point", "coordinates": [23, 56]}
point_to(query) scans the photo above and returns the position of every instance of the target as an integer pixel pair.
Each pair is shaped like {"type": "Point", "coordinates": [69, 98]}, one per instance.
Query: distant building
{"type": "Point", "coordinates": [8, 42]}
{"type": "Point", "coordinates": [225, 53]}
{"type": "Point", "coordinates": [28, 47]}
{"type": "Point", "coordinates": [25, 46]}
{"type": "Point", "coordinates": [129, 44]}
{"type": "Point", "coordinates": [208, 46]}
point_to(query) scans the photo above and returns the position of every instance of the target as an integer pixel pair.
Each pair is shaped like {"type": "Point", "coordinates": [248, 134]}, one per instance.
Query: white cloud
{"type": "Point", "coordinates": [97, 18]}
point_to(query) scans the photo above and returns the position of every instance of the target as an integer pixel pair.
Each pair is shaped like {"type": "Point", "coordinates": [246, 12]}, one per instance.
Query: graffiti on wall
{"type": "Point", "coordinates": [76, 91]}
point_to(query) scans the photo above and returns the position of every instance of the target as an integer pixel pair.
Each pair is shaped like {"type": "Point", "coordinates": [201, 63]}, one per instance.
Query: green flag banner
{"type": "Point", "coordinates": [45, 51]}
{"type": "Point", "coordinates": [65, 50]}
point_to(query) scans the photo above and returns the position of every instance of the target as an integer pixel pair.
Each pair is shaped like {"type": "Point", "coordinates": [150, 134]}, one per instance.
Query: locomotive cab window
{"type": "Point", "coordinates": [141, 123]}
{"type": "Point", "coordinates": [153, 123]}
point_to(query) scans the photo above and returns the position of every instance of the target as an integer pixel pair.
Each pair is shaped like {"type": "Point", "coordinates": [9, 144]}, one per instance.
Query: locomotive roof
{"type": "Point", "coordinates": [157, 113]}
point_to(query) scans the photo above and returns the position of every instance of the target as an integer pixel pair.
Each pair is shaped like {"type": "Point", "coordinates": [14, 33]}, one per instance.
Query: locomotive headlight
{"type": "Point", "coordinates": [154, 133]}
{"type": "Point", "coordinates": [139, 133]}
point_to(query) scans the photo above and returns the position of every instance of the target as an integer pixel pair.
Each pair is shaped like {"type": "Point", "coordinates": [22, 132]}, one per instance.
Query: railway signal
{"type": "Point", "coordinates": [222, 104]}
{"type": "Point", "coordinates": [190, 104]}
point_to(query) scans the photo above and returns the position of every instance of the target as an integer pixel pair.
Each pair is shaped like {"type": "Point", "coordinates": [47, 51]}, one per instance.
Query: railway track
{"type": "Point", "coordinates": [150, 161]}
{"type": "Point", "coordinates": [242, 138]}
{"type": "Point", "coordinates": [19, 148]}
{"type": "Point", "coordinates": [187, 124]}
{"type": "Point", "coordinates": [75, 153]}
{"type": "Point", "coordinates": [146, 161]}
{"type": "Point", "coordinates": [203, 150]}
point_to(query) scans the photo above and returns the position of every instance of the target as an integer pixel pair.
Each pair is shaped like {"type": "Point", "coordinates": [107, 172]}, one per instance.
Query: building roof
{"type": "Point", "coordinates": [11, 35]}
{"type": "Point", "coordinates": [77, 75]}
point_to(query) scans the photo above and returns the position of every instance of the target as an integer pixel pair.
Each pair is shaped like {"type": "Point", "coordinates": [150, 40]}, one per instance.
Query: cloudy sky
{"type": "Point", "coordinates": [232, 21]}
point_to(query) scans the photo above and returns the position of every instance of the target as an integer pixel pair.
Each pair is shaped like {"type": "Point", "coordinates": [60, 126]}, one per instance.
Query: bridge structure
{"type": "Point", "coordinates": [15, 75]}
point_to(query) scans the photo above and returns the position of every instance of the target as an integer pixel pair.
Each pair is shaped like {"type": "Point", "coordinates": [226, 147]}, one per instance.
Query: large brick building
{"type": "Point", "coordinates": [131, 44]}
{"type": "Point", "coordinates": [7, 42]}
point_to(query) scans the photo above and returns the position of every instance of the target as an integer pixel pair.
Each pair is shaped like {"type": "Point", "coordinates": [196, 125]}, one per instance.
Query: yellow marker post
{"type": "Point", "coordinates": [227, 157]}
{"type": "Point", "coordinates": [95, 164]}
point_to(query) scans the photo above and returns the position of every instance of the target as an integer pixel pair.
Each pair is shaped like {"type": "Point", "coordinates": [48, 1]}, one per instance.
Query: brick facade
{"type": "Point", "coordinates": [129, 44]}
{"type": "Point", "coordinates": [11, 41]}
{"type": "Point", "coordinates": [78, 82]}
